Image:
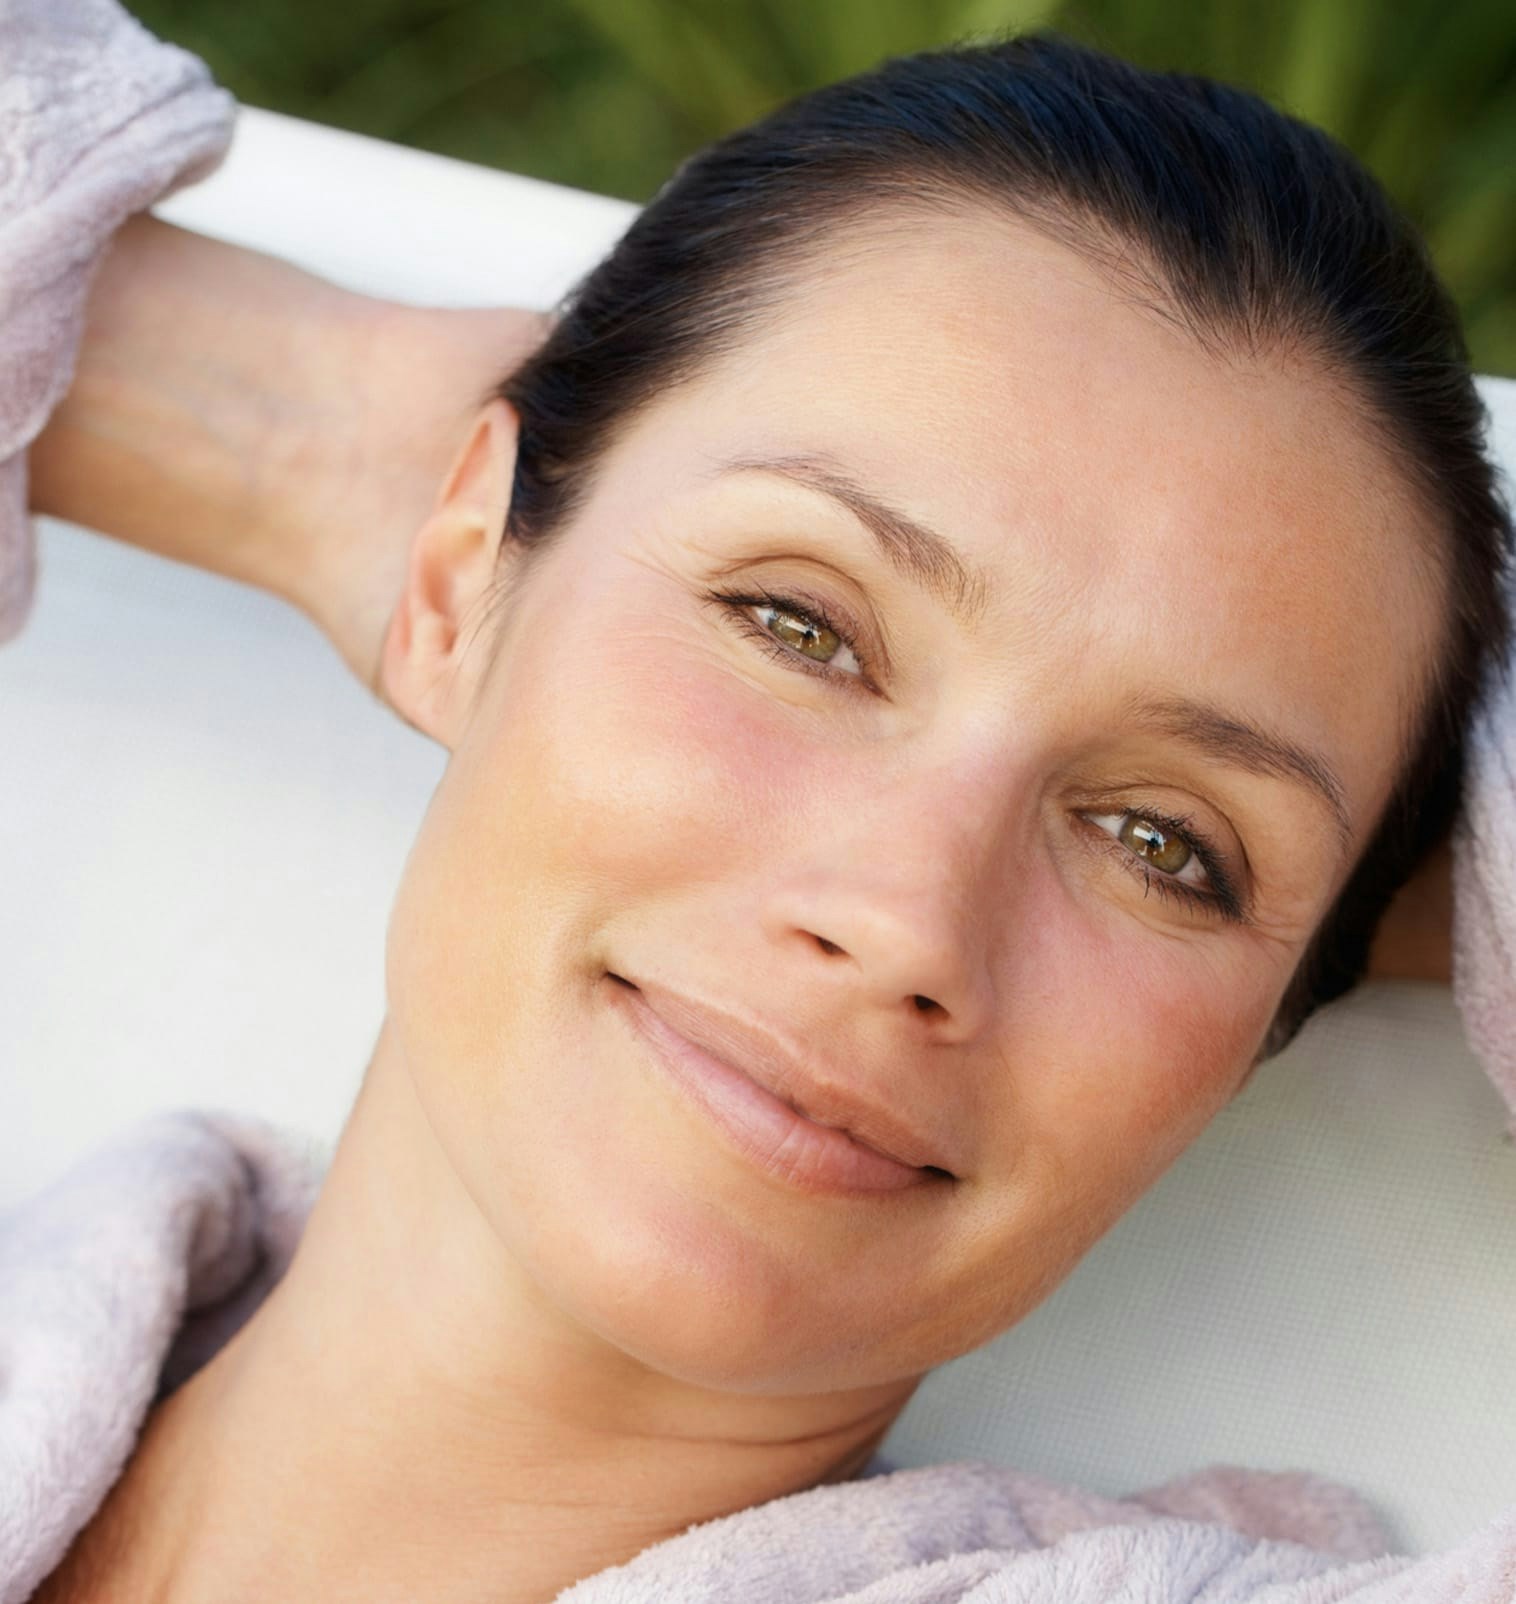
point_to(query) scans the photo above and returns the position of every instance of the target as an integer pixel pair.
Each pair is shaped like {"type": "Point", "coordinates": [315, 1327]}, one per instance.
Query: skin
{"type": "Point", "coordinates": [233, 412]}
{"type": "Point", "coordinates": [1414, 940]}
{"type": "Point", "coordinates": [544, 1314]}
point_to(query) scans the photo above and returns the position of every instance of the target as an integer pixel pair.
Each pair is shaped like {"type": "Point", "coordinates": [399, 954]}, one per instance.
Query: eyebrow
{"type": "Point", "coordinates": [1241, 743]}
{"type": "Point", "coordinates": [934, 563]}
{"type": "Point", "coordinates": [921, 554]}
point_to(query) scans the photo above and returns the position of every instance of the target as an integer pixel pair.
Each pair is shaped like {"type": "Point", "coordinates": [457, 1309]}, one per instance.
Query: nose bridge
{"type": "Point", "coordinates": [901, 882]}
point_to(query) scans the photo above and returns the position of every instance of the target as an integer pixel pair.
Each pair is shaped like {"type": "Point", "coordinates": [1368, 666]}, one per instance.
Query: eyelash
{"type": "Point", "coordinates": [810, 610]}
{"type": "Point", "coordinates": [1223, 902]}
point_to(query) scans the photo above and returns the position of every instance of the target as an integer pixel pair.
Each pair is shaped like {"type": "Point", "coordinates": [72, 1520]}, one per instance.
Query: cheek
{"type": "Point", "coordinates": [667, 764]}
{"type": "Point", "coordinates": [1138, 1039]}
{"type": "Point", "coordinates": [1123, 1049]}
{"type": "Point", "coordinates": [640, 755]}
{"type": "Point", "coordinates": [601, 766]}
{"type": "Point", "coordinates": [604, 780]}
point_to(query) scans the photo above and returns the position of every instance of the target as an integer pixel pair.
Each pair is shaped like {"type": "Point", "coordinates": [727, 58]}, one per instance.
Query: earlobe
{"type": "Point", "coordinates": [426, 671]}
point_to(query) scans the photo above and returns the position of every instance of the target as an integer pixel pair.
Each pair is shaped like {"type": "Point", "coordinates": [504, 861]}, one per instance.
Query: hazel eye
{"type": "Point", "coordinates": [1164, 849]}
{"type": "Point", "coordinates": [803, 634]}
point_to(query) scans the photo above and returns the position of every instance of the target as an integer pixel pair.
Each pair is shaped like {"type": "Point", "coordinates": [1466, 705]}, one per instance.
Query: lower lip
{"type": "Point", "coordinates": [766, 1131]}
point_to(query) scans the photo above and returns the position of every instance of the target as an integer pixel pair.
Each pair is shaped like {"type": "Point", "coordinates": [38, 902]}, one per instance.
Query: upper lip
{"type": "Point", "coordinates": [802, 1079]}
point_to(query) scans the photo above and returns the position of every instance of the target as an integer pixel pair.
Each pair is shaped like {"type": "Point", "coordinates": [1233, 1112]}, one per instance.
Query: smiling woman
{"type": "Point", "coordinates": [915, 847]}
{"type": "Point", "coordinates": [946, 651]}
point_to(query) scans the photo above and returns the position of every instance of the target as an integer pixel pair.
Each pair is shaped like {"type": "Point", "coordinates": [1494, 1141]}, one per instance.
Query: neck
{"type": "Point", "coordinates": [407, 1415]}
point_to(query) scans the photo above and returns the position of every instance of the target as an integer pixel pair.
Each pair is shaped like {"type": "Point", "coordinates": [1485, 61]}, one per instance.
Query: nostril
{"type": "Point", "coordinates": [925, 1004]}
{"type": "Point", "coordinates": [828, 946]}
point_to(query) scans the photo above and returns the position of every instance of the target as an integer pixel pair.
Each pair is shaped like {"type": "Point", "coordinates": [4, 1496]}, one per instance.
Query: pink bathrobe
{"type": "Point", "coordinates": [121, 1279]}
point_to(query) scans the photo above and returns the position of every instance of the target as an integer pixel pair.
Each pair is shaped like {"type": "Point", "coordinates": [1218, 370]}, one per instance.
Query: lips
{"type": "Point", "coordinates": [802, 1128]}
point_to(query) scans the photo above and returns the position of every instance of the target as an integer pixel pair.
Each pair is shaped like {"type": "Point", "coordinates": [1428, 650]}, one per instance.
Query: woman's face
{"type": "Point", "coordinates": [910, 854]}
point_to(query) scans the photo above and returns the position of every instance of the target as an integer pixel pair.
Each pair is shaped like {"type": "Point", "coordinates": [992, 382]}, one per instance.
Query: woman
{"type": "Point", "coordinates": [946, 651]}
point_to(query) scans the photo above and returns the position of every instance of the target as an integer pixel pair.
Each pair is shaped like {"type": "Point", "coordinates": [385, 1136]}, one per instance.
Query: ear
{"type": "Point", "coordinates": [426, 671]}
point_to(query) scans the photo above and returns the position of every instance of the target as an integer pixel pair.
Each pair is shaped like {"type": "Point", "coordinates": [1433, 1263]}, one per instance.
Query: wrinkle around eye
{"type": "Point", "coordinates": [861, 609]}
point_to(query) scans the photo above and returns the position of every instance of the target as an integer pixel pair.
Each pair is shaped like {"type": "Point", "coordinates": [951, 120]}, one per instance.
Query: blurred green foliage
{"type": "Point", "coordinates": [610, 94]}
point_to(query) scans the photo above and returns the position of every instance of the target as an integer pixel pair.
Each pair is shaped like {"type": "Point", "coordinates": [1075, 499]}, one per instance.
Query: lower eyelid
{"type": "Point", "coordinates": [1186, 893]}
{"type": "Point", "coordinates": [1167, 886]}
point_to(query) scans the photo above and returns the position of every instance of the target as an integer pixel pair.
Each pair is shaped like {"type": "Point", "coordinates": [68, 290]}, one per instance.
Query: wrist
{"type": "Point", "coordinates": [194, 357]}
{"type": "Point", "coordinates": [356, 470]}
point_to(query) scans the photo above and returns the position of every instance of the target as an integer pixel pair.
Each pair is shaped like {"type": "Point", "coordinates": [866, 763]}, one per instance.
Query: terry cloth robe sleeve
{"type": "Point", "coordinates": [98, 119]}
{"type": "Point", "coordinates": [1484, 883]}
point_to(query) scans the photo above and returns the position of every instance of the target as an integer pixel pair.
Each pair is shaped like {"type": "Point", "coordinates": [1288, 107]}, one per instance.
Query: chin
{"type": "Point", "coordinates": [657, 1262]}
{"type": "Point", "coordinates": [627, 1214]}
{"type": "Point", "coordinates": [679, 1259]}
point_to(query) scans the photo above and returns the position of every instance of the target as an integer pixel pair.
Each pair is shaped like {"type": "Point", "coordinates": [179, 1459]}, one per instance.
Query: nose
{"type": "Point", "coordinates": [890, 898]}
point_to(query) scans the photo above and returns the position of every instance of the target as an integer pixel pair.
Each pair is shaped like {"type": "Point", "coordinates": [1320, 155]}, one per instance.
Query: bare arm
{"type": "Point", "coordinates": [234, 412]}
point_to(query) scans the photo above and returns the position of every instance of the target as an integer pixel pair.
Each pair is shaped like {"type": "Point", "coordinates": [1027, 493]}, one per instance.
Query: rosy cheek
{"type": "Point", "coordinates": [1136, 1039]}
{"type": "Point", "coordinates": [1188, 1058]}
{"type": "Point", "coordinates": [648, 753]}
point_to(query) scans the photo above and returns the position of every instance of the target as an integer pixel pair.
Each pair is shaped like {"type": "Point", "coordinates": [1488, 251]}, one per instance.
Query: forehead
{"type": "Point", "coordinates": [1155, 512]}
